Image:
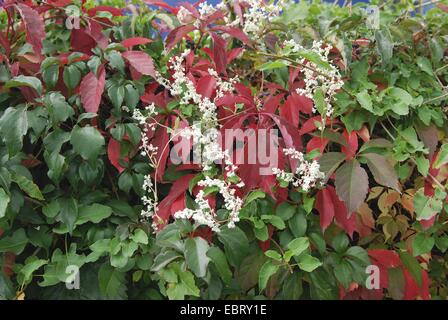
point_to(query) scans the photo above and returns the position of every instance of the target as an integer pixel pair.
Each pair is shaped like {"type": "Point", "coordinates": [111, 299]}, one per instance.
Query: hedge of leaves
{"type": "Point", "coordinates": [89, 108]}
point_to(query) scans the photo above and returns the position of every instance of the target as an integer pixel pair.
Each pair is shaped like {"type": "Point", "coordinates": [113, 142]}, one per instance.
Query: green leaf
{"type": "Point", "coordinates": [116, 60]}
{"type": "Point", "coordinates": [236, 244]}
{"type": "Point", "coordinates": [352, 183]}
{"type": "Point", "coordinates": [329, 162]}
{"type": "Point", "coordinates": [68, 212]}
{"type": "Point", "coordinates": [425, 65]}
{"type": "Point", "coordinates": [343, 272]}
{"type": "Point", "coordinates": [382, 171]}
{"type": "Point", "coordinates": [139, 236]}
{"type": "Point", "coordinates": [299, 245]}
{"type": "Point", "coordinates": [273, 255]}
{"type": "Point", "coordinates": [385, 45]}
{"type": "Point", "coordinates": [365, 100]}
{"type": "Point", "coordinates": [219, 260]}
{"type": "Point", "coordinates": [442, 156]}
{"type": "Point", "coordinates": [319, 101]}
{"type": "Point", "coordinates": [267, 270]}
{"type": "Point", "coordinates": [340, 242]}
{"type": "Point", "coordinates": [285, 210]}
{"type": "Point", "coordinates": [402, 100]}
{"type": "Point", "coordinates": [87, 142]}
{"type": "Point", "coordinates": [28, 186]}
{"type": "Point", "coordinates": [71, 76]}
{"type": "Point", "coordinates": [116, 95]}
{"type": "Point", "coordinates": [272, 65]}
{"type": "Point", "coordinates": [412, 266]}
{"type": "Point", "coordinates": [94, 213]}
{"type": "Point", "coordinates": [112, 282]}
{"type": "Point", "coordinates": [253, 195]}
{"type": "Point", "coordinates": [14, 243]}
{"type": "Point", "coordinates": [163, 258]}
{"type": "Point", "coordinates": [426, 207]}
{"type": "Point", "coordinates": [422, 165]}
{"type": "Point", "coordinates": [422, 244]}
{"type": "Point", "coordinates": [298, 225]}
{"type": "Point", "coordinates": [308, 263]}
{"type": "Point", "coordinates": [13, 126]}
{"type": "Point", "coordinates": [25, 81]}
{"type": "Point", "coordinates": [50, 75]}
{"type": "Point", "coordinates": [196, 255]}
{"type": "Point", "coordinates": [4, 200]}
{"type": "Point", "coordinates": [29, 268]}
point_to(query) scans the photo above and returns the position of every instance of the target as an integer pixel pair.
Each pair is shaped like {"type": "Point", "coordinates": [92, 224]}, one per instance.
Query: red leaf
{"type": "Point", "coordinates": [206, 86]}
{"type": "Point", "coordinates": [341, 214]}
{"type": "Point", "coordinates": [272, 102]}
{"type": "Point", "coordinates": [178, 204]}
{"type": "Point", "coordinates": [324, 204]}
{"type": "Point", "coordinates": [129, 43]}
{"type": "Point", "coordinates": [177, 189]}
{"type": "Point", "coordinates": [385, 258]}
{"type": "Point", "coordinates": [234, 32]}
{"type": "Point", "coordinates": [141, 62]}
{"type": "Point", "coordinates": [91, 90]}
{"type": "Point", "coordinates": [219, 53]}
{"type": "Point", "coordinates": [412, 290]}
{"type": "Point", "coordinates": [80, 41]}
{"type": "Point", "coordinates": [34, 27]}
{"type": "Point", "coordinates": [113, 153]}
{"type": "Point", "coordinates": [160, 141]}
{"type": "Point", "coordinates": [4, 42]}
{"type": "Point", "coordinates": [95, 31]}
{"type": "Point", "coordinates": [176, 35]}
{"type": "Point", "coordinates": [290, 111]}
{"type": "Point", "coordinates": [352, 141]}
{"type": "Point", "coordinates": [316, 143]}
{"type": "Point", "coordinates": [442, 7]}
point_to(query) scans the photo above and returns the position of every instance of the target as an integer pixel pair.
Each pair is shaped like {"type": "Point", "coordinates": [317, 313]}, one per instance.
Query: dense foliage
{"type": "Point", "coordinates": [92, 97]}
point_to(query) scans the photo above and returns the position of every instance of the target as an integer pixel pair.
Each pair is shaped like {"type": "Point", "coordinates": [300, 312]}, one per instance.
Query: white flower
{"type": "Point", "coordinates": [307, 174]}
{"type": "Point", "coordinates": [316, 77]}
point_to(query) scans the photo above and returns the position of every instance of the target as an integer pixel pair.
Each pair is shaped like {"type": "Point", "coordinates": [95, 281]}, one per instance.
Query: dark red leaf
{"type": "Point", "coordinates": [206, 86]}
{"type": "Point", "coordinates": [324, 204]}
{"type": "Point", "coordinates": [80, 41]}
{"type": "Point", "coordinates": [91, 90]}
{"type": "Point", "coordinates": [219, 53]}
{"type": "Point", "coordinates": [34, 27]}
{"type": "Point", "coordinates": [164, 208]}
{"type": "Point", "coordinates": [177, 34]}
{"type": "Point", "coordinates": [141, 62]}
{"type": "Point", "coordinates": [234, 32]}
{"type": "Point", "coordinates": [113, 153]}
{"type": "Point", "coordinates": [129, 43]}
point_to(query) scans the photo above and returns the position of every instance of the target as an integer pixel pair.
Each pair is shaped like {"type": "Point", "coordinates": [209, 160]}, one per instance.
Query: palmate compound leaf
{"type": "Point", "coordinates": [352, 184]}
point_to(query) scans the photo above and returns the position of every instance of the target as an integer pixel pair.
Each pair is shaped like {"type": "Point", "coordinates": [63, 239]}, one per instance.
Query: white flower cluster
{"type": "Point", "coordinates": [204, 214]}
{"type": "Point", "coordinates": [223, 86]}
{"type": "Point", "coordinates": [258, 15]}
{"type": "Point", "coordinates": [307, 174]}
{"type": "Point", "coordinates": [205, 134]}
{"type": "Point", "coordinates": [147, 149]}
{"type": "Point", "coordinates": [150, 151]}
{"type": "Point", "coordinates": [316, 77]}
